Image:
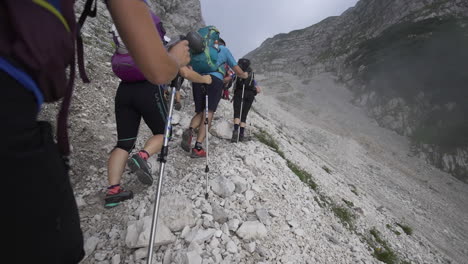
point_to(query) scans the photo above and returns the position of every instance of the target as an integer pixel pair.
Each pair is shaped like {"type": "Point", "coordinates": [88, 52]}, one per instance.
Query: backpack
{"type": "Point", "coordinates": [249, 83]}
{"type": "Point", "coordinates": [40, 39]}
{"type": "Point", "coordinates": [122, 63]}
{"type": "Point", "coordinates": [206, 61]}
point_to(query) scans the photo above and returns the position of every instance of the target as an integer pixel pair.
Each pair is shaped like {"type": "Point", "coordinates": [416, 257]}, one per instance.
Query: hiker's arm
{"type": "Point", "coordinates": [194, 76]}
{"type": "Point", "coordinates": [242, 74]}
{"type": "Point", "coordinates": [137, 30]}
{"type": "Point", "coordinates": [233, 64]}
{"type": "Point", "coordinates": [259, 89]}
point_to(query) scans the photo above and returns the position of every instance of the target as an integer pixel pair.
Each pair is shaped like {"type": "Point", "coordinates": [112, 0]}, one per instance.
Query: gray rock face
{"type": "Point", "coordinates": [138, 234]}
{"type": "Point", "coordinates": [252, 230]}
{"type": "Point", "coordinates": [179, 16]}
{"type": "Point", "coordinates": [222, 186]}
{"type": "Point", "coordinates": [176, 211]}
{"type": "Point", "coordinates": [382, 50]}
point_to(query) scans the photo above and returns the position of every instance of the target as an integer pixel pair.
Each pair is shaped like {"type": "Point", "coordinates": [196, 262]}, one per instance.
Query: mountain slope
{"type": "Point", "coordinates": [307, 189]}
{"type": "Point", "coordinates": [402, 59]}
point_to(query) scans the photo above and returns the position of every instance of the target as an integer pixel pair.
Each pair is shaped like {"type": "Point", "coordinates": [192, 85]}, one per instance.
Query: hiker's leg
{"type": "Point", "coordinates": [116, 165]}
{"type": "Point", "coordinates": [154, 144]}
{"type": "Point", "coordinates": [214, 96]}
{"type": "Point", "coordinates": [177, 98]}
{"type": "Point", "coordinates": [202, 131]}
{"type": "Point", "coordinates": [46, 216]}
{"type": "Point", "coordinates": [197, 120]}
{"type": "Point", "coordinates": [199, 100]}
{"type": "Point", "coordinates": [237, 106]}
{"type": "Point", "coordinates": [128, 122]}
{"type": "Point", "coordinates": [154, 112]}
{"type": "Point", "coordinates": [248, 100]}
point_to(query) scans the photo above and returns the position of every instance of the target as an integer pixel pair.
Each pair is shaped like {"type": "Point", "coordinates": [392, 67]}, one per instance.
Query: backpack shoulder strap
{"type": "Point", "coordinates": [87, 11]}
{"type": "Point", "coordinates": [252, 79]}
{"type": "Point", "coordinates": [62, 133]}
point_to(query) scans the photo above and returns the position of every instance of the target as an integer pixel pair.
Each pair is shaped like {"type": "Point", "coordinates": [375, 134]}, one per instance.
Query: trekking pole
{"type": "Point", "coordinates": [240, 117]}
{"type": "Point", "coordinates": [162, 160]}
{"type": "Point", "coordinates": [207, 169]}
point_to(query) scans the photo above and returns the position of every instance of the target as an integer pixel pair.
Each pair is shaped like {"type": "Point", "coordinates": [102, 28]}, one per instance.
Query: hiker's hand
{"type": "Point", "coordinates": [245, 75]}
{"type": "Point", "coordinates": [180, 52]}
{"type": "Point", "coordinates": [258, 89]}
{"type": "Point", "coordinates": [207, 79]}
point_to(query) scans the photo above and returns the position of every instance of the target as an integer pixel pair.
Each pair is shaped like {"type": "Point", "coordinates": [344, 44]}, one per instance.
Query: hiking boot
{"type": "Point", "coordinates": [140, 167]}
{"type": "Point", "coordinates": [241, 138]}
{"type": "Point", "coordinates": [186, 142]}
{"type": "Point", "coordinates": [178, 106]}
{"type": "Point", "coordinates": [235, 133]}
{"type": "Point", "coordinates": [113, 198]}
{"type": "Point", "coordinates": [198, 153]}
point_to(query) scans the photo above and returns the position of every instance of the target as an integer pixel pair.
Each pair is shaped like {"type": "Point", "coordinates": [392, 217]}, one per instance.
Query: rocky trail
{"type": "Point", "coordinates": [357, 201]}
{"type": "Point", "coordinates": [320, 181]}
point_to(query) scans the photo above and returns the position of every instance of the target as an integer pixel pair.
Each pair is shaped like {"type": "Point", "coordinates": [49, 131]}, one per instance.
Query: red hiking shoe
{"type": "Point", "coordinates": [198, 153]}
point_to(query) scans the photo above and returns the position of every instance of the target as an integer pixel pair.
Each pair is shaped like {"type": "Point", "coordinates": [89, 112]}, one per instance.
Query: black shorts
{"type": "Point", "coordinates": [136, 100]}
{"type": "Point", "coordinates": [214, 89]}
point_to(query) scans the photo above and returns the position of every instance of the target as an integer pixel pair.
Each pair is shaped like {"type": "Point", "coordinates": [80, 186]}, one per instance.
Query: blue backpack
{"type": "Point", "coordinates": [206, 61]}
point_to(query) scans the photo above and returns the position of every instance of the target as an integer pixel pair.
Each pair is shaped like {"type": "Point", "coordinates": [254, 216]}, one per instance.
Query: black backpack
{"type": "Point", "coordinates": [249, 83]}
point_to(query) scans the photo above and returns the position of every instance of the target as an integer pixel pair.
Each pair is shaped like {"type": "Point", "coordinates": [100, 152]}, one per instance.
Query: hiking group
{"type": "Point", "coordinates": [35, 59]}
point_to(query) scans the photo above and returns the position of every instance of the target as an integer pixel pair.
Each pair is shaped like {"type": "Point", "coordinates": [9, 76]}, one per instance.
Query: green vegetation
{"type": "Point", "coordinates": [407, 229]}
{"type": "Point", "coordinates": [396, 232]}
{"type": "Point", "coordinates": [385, 256]}
{"type": "Point", "coordinates": [321, 203]}
{"type": "Point", "coordinates": [325, 168]}
{"type": "Point", "coordinates": [305, 177]}
{"type": "Point", "coordinates": [268, 140]}
{"type": "Point", "coordinates": [382, 250]}
{"type": "Point", "coordinates": [348, 203]}
{"type": "Point", "coordinates": [345, 216]}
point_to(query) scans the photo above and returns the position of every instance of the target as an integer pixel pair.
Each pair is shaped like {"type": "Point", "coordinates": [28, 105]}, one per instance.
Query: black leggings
{"type": "Point", "coordinates": [249, 97]}
{"type": "Point", "coordinates": [45, 212]}
{"type": "Point", "coordinates": [134, 101]}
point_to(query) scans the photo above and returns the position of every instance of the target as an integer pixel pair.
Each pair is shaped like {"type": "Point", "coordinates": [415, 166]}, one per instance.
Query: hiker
{"type": "Point", "coordinates": [140, 95]}
{"type": "Point", "coordinates": [214, 67]}
{"type": "Point", "coordinates": [34, 60]}
{"type": "Point", "coordinates": [245, 91]}
{"type": "Point", "coordinates": [228, 76]}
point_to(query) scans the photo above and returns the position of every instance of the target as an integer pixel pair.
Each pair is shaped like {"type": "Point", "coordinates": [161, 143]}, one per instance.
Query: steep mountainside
{"type": "Point", "coordinates": [320, 184]}
{"type": "Point", "coordinates": [405, 61]}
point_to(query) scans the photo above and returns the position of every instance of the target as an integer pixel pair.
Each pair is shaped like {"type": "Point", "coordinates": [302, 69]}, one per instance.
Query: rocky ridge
{"type": "Point", "coordinates": [259, 210]}
{"type": "Point", "coordinates": [403, 61]}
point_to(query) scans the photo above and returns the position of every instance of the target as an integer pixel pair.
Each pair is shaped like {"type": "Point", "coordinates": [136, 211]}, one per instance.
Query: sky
{"type": "Point", "coordinates": [245, 24]}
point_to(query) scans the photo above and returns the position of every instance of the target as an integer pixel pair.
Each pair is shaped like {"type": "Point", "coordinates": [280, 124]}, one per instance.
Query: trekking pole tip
{"type": "Point", "coordinates": [207, 169]}
{"type": "Point", "coordinates": [206, 195]}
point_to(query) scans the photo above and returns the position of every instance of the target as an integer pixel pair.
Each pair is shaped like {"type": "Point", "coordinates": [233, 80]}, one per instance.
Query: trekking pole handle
{"type": "Point", "coordinates": [177, 82]}
{"type": "Point", "coordinates": [196, 42]}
